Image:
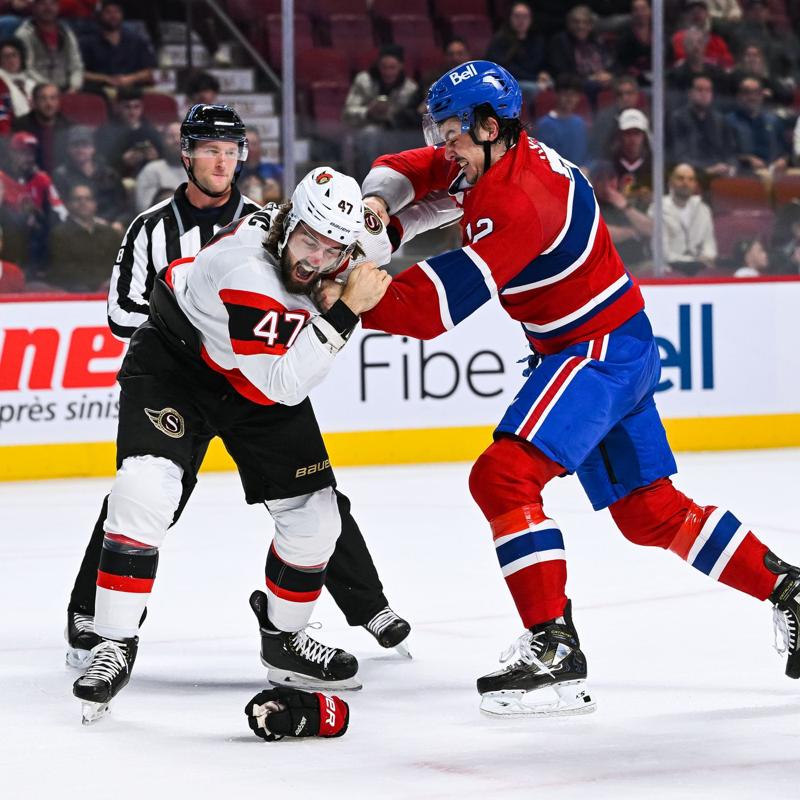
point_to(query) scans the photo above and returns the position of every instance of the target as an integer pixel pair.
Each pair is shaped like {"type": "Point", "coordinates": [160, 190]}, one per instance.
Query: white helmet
{"type": "Point", "coordinates": [330, 204]}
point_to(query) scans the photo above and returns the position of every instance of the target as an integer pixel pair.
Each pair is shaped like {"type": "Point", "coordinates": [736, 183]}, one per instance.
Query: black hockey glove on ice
{"type": "Point", "coordinates": [275, 713]}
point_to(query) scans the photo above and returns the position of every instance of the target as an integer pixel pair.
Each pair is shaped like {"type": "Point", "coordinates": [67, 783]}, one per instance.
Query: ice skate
{"type": "Point", "coordinates": [300, 661]}
{"type": "Point", "coordinates": [786, 612]}
{"type": "Point", "coordinates": [81, 638]}
{"type": "Point", "coordinates": [390, 630]}
{"type": "Point", "coordinates": [548, 679]}
{"type": "Point", "coordinates": [108, 672]}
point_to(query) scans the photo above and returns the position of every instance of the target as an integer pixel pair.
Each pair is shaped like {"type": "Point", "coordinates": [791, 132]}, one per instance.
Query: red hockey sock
{"type": "Point", "coordinates": [506, 482]}
{"type": "Point", "coordinates": [711, 539]}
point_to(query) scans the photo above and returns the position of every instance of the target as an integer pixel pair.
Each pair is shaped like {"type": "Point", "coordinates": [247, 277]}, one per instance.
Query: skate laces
{"type": "Point", "coordinates": [524, 646]}
{"type": "Point", "coordinates": [84, 623]}
{"type": "Point", "coordinates": [785, 630]}
{"type": "Point", "coordinates": [312, 649]}
{"type": "Point", "coordinates": [378, 624]}
{"type": "Point", "coordinates": [109, 658]}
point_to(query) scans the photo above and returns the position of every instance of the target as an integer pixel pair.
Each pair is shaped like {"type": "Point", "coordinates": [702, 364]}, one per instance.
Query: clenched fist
{"type": "Point", "coordinates": [365, 287]}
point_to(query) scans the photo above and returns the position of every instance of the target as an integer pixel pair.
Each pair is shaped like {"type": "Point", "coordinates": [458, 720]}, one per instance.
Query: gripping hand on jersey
{"type": "Point", "coordinates": [365, 287]}
{"type": "Point", "coordinates": [283, 711]}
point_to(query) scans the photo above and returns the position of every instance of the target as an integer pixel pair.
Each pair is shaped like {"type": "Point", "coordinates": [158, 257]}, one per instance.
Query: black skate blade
{"type": "Point", "coordinates": [93, 712]}
{"type": "Point", "coordinates": [282, 677]}
{"type": "Point", "coordinates": [567, 699]}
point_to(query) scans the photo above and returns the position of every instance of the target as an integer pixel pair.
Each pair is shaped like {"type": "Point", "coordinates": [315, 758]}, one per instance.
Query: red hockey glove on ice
{"type": "Point", "coordinates": [275, 713]}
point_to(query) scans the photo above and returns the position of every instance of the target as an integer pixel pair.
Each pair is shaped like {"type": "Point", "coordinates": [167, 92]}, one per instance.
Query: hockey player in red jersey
{"type": "Point", "coordinates": [233, 345]}
{"type": "Point", "coordinates": [534, 238]}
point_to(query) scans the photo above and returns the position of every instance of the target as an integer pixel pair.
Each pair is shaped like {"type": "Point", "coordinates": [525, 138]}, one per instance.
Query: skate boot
{"type": "Point", "coordinates": [108, 672]}
{"type": "Point", "coordinates": [548, 678]}
{"type": "Point", "coordinates": [786, 612]}
{"type": "Point", "coordinates": [81, 638]}
{"type": "Point", "coordinates": [390, 631]}
{"type": "Point", "coordinates": [300, 661]}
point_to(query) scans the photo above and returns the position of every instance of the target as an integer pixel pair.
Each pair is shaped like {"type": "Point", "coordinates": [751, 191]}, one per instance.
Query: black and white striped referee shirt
{"type": "Point", "coordinates": [167, 231]}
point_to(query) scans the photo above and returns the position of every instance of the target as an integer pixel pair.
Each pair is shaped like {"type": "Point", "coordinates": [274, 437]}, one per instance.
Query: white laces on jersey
{"type": "Point", "coordinates": [378, 624]}
{"type": "Point", "coordinates": [108, 658]}
{"type": "Point", "coordinates": [312, 649]}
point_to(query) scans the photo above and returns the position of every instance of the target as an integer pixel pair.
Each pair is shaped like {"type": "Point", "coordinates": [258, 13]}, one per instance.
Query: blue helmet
{"type": "Point", "coordinates": [461, 90]}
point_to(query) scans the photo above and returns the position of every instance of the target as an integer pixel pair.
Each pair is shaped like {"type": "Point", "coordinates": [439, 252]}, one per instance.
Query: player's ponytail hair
{"type": "Point", "coordinates": [277, 229]}
{"type": "Point", "coordinates": [510, 128]}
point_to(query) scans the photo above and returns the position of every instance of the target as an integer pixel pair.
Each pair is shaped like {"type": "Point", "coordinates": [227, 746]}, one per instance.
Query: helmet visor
{"type": "Point", "coordinates": [316, 252]}
{"type": "Point", "coordinates": [438, 134]}
{"type": "Point", "coordinates": [215, 148]}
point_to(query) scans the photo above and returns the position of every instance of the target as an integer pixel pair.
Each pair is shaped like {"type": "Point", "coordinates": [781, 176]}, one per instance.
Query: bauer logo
{"type": "Point", "coordinates": [168, 421]}
{"type": "Point", "coordinates": [468, 72]}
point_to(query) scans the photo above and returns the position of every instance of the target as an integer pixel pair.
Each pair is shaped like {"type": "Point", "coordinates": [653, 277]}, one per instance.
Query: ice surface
{"type": "Point", "coordinates": [692, 700]}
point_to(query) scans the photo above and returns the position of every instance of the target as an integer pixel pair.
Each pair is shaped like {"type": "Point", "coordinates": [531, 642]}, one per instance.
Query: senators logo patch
{"type": "Point", "coordinates": [372, 222]}
{"type": "Point", "coordinates": [168, 421]}
{"type": "Point", "coordinates": [323, 178]}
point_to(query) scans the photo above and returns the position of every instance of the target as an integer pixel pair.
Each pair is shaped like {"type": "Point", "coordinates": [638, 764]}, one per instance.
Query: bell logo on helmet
{"type": "Point", "coordinates": [323, 177]}
{"type": "Point", "coordinates": [468, 72]}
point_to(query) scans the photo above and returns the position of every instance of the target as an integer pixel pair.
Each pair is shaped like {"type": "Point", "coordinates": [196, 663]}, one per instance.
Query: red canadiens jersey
{"type": "Point", "coordinates": [533, 236]}
{"type": "Point", "coordinates": [38, 191]}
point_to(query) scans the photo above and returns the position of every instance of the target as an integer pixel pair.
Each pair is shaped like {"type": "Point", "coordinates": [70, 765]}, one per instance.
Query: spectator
{"type": "Point", "coordinates": [51, 48]}
{"type": "Point", "coordinates": [715, 50]}
{"type": "Point", "coordinates": [694, 62]}
{"type": "Point", "coordinates": [562, 128]}
{"type": "Point", "coordinates": [13, 12]}
{"type": "Point", "coordinates": [454, 53]}
{"type": "Point", "coordinates": [785, 251]}
{"type": "Point", "coordinates": [604, 127]}
{"type": "Point", "coordinates": [114, 56]}
{"type": "Point", "coordinates": [634, 45]}
{"type": "Point", "coordinates": [778, 41]}
{"type": "Point", "coordinates": [381, 105]}
{"type": "Point", "coordinates": [83, 166]}
{"type": "Point", "coordinates": [630, 229]}
{"type": "Point", "coordinates": [257, 163]}
{"type": "Point", "coordinates": [201, 87]}
{"type": "Point", "coordinates": [273, 193]}
{"type": "Point", "coordinates": [12, 278]}
{"type": "Point", "coordinates": [129, 141]}
{"type": "Point", "coordinates": [83, 248]}
{"type": "Point", "coordinates": [164, 173]}
{"type": "Point", "coordinates": [633, 159]}
{"type": "Point", "coordinates": [778, 89]}
{"type": "Point", "coordinates": [253, 187]}
{"type": "Point", "coordinates": [689, 242]}
{"type": "Point", "coordinates": [577, 50]}
{"type": "Point", "coordinates": [750, 258]}
{"type": "Point", "coordinates": [521, 50]}
{"type": "Point", "coordinates": [30, 194]}
{"type": "Point", "coordinates": [758, 134]}
{"type": "Point", "coordinates": [18, 81]}
{"type": "Point", "coordinates": [46, 122]}
{"type": "Point", "coordinates": [15, 232]}
{"type": "Point", "coordinates": [699, 135]}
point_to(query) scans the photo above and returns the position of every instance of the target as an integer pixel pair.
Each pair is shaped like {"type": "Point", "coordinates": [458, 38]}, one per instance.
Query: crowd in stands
{"type": "Point", "coordinates": [82, 150]}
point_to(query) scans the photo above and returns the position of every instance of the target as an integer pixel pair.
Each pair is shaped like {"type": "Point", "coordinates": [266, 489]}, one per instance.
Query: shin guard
{"type": "Point", "coordinates": [124, 582]}
{"type": "Point", "coordinates": [291, 591]}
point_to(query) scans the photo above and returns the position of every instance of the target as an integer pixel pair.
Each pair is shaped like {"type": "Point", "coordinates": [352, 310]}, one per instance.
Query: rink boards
{"type": "Point", "coordinates": [730, 380]}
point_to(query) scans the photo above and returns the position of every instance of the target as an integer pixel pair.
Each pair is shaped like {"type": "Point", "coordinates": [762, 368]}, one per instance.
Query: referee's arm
{"type": "Point", "coordinates": [129, 290]}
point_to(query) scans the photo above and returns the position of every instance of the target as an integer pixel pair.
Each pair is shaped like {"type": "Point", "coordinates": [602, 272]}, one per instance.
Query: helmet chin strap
{"type": "Point", "coordinates": [487, 149]}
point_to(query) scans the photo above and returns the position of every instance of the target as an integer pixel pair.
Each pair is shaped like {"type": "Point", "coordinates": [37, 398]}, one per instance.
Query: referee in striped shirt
{"type": "Point", "coordinates": [179, 227]}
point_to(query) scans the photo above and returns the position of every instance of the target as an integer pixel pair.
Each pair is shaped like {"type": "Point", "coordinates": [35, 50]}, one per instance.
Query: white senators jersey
{"type": "Point", "coordinates": [252, 330]}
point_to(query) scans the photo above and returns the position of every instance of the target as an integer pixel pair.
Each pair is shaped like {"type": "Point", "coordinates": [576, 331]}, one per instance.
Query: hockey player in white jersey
{"type": "Point", "coordinates": [232, 348]}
